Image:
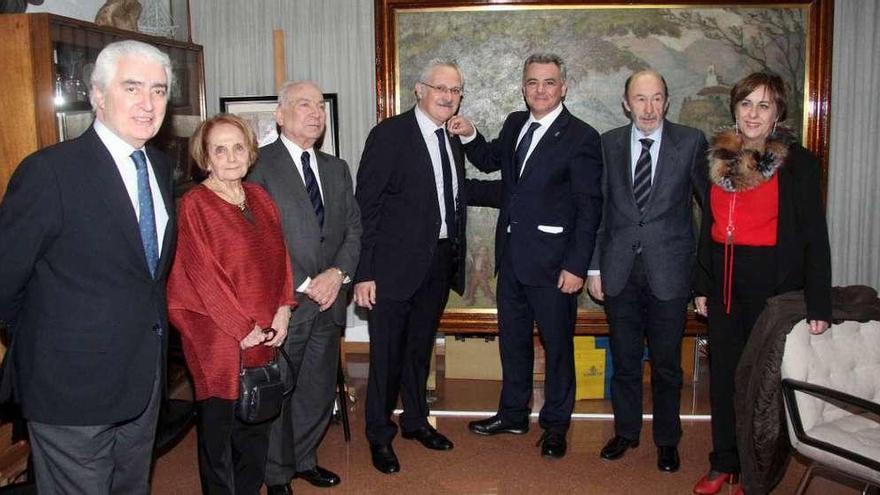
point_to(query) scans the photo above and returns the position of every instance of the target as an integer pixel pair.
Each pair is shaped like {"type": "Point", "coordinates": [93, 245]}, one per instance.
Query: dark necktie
{"type": "Point", "coordinates": [147, 220]}
{"type": "Point", "coordinates": [312, 188]}
{"type": "Point", "coordinates": [448, 196]}
{"type": "Point", "coordinates": [642, 176]}
{"type": "Point", "coordinates": [522, 149]}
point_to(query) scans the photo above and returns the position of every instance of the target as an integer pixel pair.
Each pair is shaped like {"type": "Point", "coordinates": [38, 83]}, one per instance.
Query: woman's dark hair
{"type": "Point", "coordinates": [774, 84]}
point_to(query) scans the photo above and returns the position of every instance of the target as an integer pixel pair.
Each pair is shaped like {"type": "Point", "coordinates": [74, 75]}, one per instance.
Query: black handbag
{"type": "Point", "coordinates": [261, 391]}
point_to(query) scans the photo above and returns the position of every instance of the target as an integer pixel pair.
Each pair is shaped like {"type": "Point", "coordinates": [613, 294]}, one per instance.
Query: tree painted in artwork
{"type": "Point", "coordinates": [771, 39]}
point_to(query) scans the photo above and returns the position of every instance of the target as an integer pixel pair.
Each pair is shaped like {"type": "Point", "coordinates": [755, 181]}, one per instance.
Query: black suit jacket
{"type": "Point", "coordinates": [400, 212]}
{"type": "Point", "coordinates": [803, 253]}
{"type": "Point", "coordinates": [664, 234]}
{"type": "Point", "coordinates": [554, 207]}
{"type": "Point", "coordinates": [84, 312]}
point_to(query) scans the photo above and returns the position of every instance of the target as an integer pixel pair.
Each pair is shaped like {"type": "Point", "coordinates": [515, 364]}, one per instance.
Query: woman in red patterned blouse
{"type": "Point", "coordinates": [230, 286]}
{"type": "Point", "coordinates": [763, 234]}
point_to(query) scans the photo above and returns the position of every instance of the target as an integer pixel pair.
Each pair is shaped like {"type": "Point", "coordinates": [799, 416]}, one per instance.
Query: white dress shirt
{"type": "Point", "coordinates": [296, 153]}
{"type": "Point", "coordinates": [121, 153]}
{"type": "Point", "coordinates": [429, 128]}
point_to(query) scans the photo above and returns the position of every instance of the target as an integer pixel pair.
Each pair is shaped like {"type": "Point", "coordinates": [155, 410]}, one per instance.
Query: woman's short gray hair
{"type": "Point", "coordinates": [546, 58]}
{"type": "Point", "coordinates": [108, 61]}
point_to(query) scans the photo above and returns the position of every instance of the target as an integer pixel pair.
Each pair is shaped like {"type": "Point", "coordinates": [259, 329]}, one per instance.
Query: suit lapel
{"type": "Point", "coordinates": [458, 162]}
{"type": "Point", "coordinates": [293, 182]}
{"type": "Point", "coordinates": [328, 188]}
{"type": "Point", "coordinates": [548, 140]}
{"type": "Point", "coordinates": [163, 179]}
{"type": "Point", "coordinates": [667, 159]}
{"type": "Point", "coordinates": [107, 184]}
{"type": "Point", "coordinates": [422, 159]}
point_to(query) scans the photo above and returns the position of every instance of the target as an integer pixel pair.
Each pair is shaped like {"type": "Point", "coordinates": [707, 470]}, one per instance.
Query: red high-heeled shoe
{"type": "Point", "coordinates": [710, 487]}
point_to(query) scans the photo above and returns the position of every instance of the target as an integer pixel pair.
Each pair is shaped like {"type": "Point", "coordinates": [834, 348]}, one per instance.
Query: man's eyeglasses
{"type": "Point", "coordinates": [443, 89]}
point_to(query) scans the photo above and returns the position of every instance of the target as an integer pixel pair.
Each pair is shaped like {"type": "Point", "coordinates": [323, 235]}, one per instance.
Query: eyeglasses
{"type": "Point", "coordinates": [443, 89]}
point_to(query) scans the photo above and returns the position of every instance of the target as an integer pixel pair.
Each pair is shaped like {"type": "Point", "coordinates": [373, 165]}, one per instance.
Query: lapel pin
{"type": "Point", "coordinates": [557, 134]}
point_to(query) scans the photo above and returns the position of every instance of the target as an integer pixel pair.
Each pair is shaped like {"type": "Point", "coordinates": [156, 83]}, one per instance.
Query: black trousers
{"type": "Point", "coordinates": [401, 340]}
{"type": "Point", "coordinates": [753, 283]}
{"type": "Point", "coordinates": [519, 307]}
{"type": "Point", "coordinates": [232, 454]}
{"type": "Point", "coordinates": [636, 315]}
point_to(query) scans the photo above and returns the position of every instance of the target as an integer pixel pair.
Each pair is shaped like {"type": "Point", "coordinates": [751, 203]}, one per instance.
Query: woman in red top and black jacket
{"type": "Point", "coordinates": [231, 284]}
{"type": "Point", "coordinates": [764, 234]}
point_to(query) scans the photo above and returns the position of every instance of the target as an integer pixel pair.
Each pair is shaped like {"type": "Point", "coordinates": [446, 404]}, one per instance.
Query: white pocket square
{"type": "Point", "coordinates": [550, 229]}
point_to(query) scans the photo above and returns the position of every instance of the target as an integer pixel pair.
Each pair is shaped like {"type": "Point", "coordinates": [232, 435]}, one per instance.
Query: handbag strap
{"type": "Point", "coordinates": [274, 358]}
{"type": "Point", "coordinates": [289, 367]}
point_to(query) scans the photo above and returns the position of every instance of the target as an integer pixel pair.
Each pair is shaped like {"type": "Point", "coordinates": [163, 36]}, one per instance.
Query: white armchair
{"type": "Point", "coordinates": [831, 386]}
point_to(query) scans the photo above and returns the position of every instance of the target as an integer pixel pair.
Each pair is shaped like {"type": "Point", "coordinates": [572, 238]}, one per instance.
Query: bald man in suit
{"type": "Point", "coordinates": [644, 258]}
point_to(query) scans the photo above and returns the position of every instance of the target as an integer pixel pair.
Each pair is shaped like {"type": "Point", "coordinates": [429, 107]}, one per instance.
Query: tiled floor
{"type": "Point", "coordinates": [504, 464]}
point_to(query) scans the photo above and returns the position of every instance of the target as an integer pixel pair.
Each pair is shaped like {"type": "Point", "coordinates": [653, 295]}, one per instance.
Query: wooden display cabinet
{"type": "Point", "coordinates": [47, 62]}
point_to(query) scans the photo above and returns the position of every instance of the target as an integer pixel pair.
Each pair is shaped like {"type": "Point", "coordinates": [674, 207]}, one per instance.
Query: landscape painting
{"type": "Point", "coordinates": [700, 50]}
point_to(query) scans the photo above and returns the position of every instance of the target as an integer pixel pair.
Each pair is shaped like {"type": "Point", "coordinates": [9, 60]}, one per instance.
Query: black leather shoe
{"type": "Point", "coordinates": [429, 437]}
{"type": "Point", "coordinates": [279, 490]}
{"type": "Point", "coordinates": [384, 458]}
{"type": "Point", "coordinates": [616, 447]}
{"type": "Point", "coordinates": [496, 425]}
{"type": "Point", "coordinates": [667, 459]}
{"type": "Point", "coordinates": [553, 444]}
{"type": "Point", "coordinates": [319, 477]}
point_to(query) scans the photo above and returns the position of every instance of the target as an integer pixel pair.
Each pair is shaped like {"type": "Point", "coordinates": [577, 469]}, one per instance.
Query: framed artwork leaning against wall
{"type": "Point", "coordinates": [259, 113]}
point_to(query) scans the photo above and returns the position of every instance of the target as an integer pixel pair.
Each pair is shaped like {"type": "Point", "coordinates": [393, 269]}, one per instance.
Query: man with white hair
{"type": "Point", "coordinates": [86, 236]}
{"type": "Point", "coordinates": [410, 190]}
{"type": "Point", "coordinates": [322, 227]}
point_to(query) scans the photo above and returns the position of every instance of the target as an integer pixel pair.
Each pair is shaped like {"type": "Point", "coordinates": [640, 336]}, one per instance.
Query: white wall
{"type": "Point", "coordinates": [84, 10]}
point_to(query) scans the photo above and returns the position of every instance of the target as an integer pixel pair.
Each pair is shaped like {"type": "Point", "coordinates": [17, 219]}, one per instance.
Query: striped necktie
{"type": "Point", "coordinates": [642, 177]}
{"type": "Point", "coordinates": [312, 188]}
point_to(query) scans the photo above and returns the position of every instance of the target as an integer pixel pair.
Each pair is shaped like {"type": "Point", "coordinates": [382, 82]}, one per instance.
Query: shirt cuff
{"type": "Point", "coordinates": [468, 139]}
{"type": "Point", "coordinates": [591, 273]}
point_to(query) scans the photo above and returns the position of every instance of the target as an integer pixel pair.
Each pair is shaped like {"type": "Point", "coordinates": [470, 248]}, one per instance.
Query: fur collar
{"type": "Point", "coordinates": [733, 168]}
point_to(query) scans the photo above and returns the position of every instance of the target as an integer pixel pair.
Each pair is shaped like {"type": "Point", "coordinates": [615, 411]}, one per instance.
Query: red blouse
{"type": "Point", "coordinates": [751, 216]}
{"type": "Point", "coordinates": [228, 274]}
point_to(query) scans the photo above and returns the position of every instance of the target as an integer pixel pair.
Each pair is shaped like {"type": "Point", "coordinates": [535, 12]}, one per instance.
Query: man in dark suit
{"type": "Point", "coordinates": [409, 187]}
{"type": "Point", "coordinates": [86, 235]}
{"type": "Point", "coordinates": [551, 168]}
{"type": "Point", "coordinates": [646, 252]}
{"type": "Point", "coordinates": [322, 227]}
